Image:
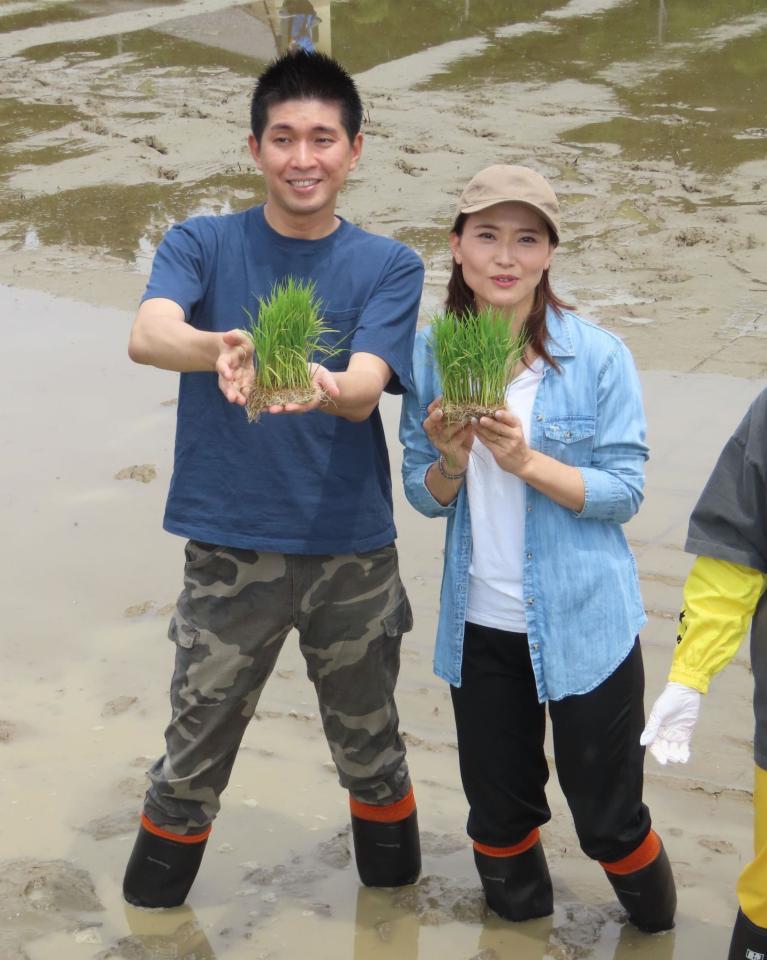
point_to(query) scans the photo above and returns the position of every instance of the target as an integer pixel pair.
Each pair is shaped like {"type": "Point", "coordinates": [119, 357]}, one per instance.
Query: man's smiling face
{"type": "Point", "coordinates": [305, 155]}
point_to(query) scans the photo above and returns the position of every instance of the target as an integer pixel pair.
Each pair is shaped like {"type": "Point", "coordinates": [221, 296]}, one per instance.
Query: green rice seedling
{"type": "Point", "coordinates": [287, 335]}
{"type": "Point", "coordinates": [476, 355]}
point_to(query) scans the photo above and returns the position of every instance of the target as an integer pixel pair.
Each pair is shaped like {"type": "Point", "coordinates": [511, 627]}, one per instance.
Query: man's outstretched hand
{"type": "Point", "coordinates": [235, 367]}
{"type": "Point", "coordinates": [325, 392]}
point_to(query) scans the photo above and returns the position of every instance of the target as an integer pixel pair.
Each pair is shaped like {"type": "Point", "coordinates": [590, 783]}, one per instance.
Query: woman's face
{"type": "Point", "coordinates": [503, 252]}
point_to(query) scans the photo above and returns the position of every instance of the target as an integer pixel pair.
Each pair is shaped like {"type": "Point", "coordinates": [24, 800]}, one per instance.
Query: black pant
{"type": "Point", "coordinates": [501, 727]}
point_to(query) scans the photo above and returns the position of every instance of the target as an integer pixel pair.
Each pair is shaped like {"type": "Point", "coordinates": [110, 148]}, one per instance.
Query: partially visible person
{"type": "Point", "coordinates": [540, 603]}
{"type": "Point", "coordinates": [289, 522]}
{"type": "Point", "coordinates": [298, 22]}
{"type": "Point", "coordinates": [725, 593]}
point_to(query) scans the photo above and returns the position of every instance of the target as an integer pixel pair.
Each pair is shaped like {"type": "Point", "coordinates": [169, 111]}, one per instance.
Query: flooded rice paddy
{"type": "Point", "coordinates": [121, 117]}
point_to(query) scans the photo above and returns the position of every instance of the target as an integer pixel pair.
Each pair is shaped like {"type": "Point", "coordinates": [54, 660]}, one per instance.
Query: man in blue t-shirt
{"type": "Point", "coordinates": [288, 521]}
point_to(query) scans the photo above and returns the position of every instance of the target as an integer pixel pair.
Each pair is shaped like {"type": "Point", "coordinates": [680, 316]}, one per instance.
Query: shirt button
{"type": "Point", "coordinates": [530, 509]}
{"type": "Point", "coordinates": [539, 417]}
{"type": "Point", "coordinates": [568, 434]}
{"type": "Point", "coordinates": [534, 646]}
{"type": "Point", "coordinates": [530, 601]}
{"type": "Point", "coordinates": [529, 556]}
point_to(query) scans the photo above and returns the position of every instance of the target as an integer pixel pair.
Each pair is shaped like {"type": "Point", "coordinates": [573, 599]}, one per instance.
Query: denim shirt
{"type": "Point", "coordinates": [581, 590]}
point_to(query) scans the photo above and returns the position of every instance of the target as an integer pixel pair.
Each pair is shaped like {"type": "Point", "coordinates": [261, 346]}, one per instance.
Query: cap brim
{"type": "Point", "coordinates": [484, 204]}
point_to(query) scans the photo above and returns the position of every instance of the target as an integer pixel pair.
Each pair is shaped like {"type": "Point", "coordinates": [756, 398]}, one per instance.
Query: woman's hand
{"type": "Point", "coordinates": [454, 441]}
{"type": "Point", "coordinates": [503, 436]}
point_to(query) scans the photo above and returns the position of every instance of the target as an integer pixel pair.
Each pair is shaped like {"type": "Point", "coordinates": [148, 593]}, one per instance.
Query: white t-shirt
{"type": "Point", "coordinates": [497, 507]}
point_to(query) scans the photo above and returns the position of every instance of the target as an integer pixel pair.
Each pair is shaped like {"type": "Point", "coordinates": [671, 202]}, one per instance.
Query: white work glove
{"type": "Point", "coordinates": [672, 719]}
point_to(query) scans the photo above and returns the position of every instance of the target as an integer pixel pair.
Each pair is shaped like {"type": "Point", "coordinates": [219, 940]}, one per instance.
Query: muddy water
{"type": "Point", "coordinates": [119, 117]}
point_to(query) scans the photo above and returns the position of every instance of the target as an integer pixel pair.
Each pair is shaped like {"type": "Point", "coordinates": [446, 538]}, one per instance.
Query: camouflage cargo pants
{"type": "Point", "coordinates": [230, 622]}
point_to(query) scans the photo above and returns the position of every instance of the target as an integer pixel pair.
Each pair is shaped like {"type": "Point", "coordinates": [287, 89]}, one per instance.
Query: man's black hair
{"type": "Point", "coordinates": [301, 75]}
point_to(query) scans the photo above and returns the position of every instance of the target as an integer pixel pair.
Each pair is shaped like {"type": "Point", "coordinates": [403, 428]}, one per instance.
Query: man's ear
{"type": "Point", "coordinates": [357, 143]}
{"type": "Point", "coordinates": [255, 149]}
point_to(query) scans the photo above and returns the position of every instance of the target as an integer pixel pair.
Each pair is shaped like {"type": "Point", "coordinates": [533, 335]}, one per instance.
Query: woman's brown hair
{"type": "Point", "coordinates": [460, 300]}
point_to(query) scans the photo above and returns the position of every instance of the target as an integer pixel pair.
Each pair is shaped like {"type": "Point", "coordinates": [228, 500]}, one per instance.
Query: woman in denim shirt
{"type": "Point", "coordinates": [540, 600]}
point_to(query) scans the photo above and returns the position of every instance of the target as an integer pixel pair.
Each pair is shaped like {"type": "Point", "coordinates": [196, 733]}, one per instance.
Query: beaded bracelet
{"type": "Point", "coordinates": [445, 473]}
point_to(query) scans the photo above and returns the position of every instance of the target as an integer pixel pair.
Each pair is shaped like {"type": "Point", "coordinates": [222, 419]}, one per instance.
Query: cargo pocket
{"type": "Point", "coordinates": [569, 439]}
{"type": "Point", "coordinates": [181, 632]}
{"type": "Point", "coordinates": [400, 620]}
{"type": "Point", "coordinates": [197, 553]}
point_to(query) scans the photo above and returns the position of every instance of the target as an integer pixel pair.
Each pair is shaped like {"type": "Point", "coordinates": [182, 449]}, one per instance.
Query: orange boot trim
{"type": "Point", "coordinates": [644, 854]}
{"type": "Point", "coordinates": [389, 813]}
{"type": "Point", "coordinates": [150, 827]}
{"type": "Point", "coordinates": [530, 841]}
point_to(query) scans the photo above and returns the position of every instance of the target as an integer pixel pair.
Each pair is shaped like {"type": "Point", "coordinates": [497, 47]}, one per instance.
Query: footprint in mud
{"type": "Point", "coordinates": [43, 897]}
{"type": "Point", "coordinates": [295, 880]}
{"type": "Point", "coordinates": [131, 787]}
{"type": "Point", "coordinates": [136, 610]}
{"type": "Point", "coordinates": [443, 845]}
{"type": "Point", "coordinates": [113, 824]}
{"type": "Point", "coordinates": [335, 852]}
{"type": "Point", "coordinates": [436, 900]}
{"type": "Point", "coordinates": [118, 705]}
{"type": "Point", "coordinates": [152, 142]}
{"type": "Point", "coordinates": [8, 731]}
{"type": "Point", "coordinates": [716, 845]}
{"type": "Point", "coordinates": [409, 168]}
{"type": "Point", "coordinates": [143, 472]}
{"type": "Point", "coordinates": [582, 929]}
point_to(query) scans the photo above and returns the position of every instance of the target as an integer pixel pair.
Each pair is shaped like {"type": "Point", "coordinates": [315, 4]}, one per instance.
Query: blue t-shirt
{"type": "Point", "coordinates": [311, 483]}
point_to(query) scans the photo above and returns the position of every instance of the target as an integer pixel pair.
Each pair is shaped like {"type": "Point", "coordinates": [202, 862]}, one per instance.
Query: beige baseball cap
{"type": "Point", "coordinates": [503, 183]}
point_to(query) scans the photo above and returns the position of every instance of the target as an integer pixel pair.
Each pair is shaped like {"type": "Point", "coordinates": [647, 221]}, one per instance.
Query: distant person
{"type": "Point", "coordinates": [540, 602]}
{"type": "Point", "coordinates": [300, 21]}
{"type": "Point", "coordinates": [725, 589]}
{"type": "Point", "coordinates": [288, 522]}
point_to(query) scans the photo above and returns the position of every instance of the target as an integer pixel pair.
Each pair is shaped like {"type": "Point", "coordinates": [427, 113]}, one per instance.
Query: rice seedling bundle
{"type": "Point", "coordinates": [476, 355]}
{"type": "Point", "coordinates": [287, 334]}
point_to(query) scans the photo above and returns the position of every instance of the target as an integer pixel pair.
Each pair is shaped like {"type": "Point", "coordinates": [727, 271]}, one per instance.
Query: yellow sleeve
{"type": "Point", "coordinates": [719, 602]}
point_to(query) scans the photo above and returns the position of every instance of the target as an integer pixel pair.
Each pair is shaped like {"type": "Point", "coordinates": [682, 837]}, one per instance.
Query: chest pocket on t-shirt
{"type": "Point", "coordinates": [343, 324]}
{"type": "Point", "coordinates": [569, 439]}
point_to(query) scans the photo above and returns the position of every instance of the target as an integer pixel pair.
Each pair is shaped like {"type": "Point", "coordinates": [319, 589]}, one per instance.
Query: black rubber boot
{"type": "Point", "coordinates": [749, 942]}
{"type": "Point", "coordinates": [160, 872]}
{"type": "Point", "coordinates": [517, 887]}
{"type": "Point", "coordinates": [648, 895]}
{"type": "Point", "coordinates": [387, 854]}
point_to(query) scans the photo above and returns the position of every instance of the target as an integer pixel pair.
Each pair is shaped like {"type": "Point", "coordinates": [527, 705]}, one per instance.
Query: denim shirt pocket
{"type": "Point", "coordinates": [569, 439]}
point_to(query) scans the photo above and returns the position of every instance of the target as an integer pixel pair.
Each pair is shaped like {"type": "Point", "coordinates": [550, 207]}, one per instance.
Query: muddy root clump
{"type": "Point", "coordinates": [464, 413]}
{"type": "Point", "coordinates": [260, 399]}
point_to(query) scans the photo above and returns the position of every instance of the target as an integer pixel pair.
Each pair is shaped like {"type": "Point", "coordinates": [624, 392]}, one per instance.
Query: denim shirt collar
{"type": "Point", "coordinates": [559, 338]}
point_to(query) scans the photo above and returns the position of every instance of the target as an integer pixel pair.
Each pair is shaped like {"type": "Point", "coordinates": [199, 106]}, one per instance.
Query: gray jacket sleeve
{"type": "Point", "coordinates": [729, 521]}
